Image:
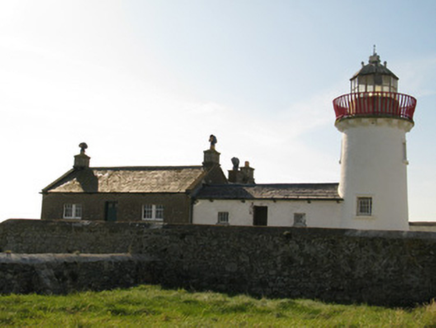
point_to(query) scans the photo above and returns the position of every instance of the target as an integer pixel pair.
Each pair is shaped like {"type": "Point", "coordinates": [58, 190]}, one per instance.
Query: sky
{"type": "Point", "coordinates": [145, 83]}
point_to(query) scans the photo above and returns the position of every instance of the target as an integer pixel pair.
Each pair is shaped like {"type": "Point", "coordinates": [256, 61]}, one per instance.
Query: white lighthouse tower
{"type": "Point", "coordinates": [374, 119]}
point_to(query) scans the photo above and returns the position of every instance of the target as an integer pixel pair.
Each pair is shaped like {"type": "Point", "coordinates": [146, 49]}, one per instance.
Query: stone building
{"type": "Point", "coordinates": [155, 194]}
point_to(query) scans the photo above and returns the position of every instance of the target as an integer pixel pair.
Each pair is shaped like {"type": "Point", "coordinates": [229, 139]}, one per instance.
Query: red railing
{"type": "Point", "coordinates": [381, 104]}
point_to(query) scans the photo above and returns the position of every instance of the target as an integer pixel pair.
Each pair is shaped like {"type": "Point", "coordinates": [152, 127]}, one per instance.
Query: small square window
{"type": "Point", "coordinates": [299, 219]}
{"type": "Point", "coordinates": [223, 217]}
{"type": "Point", "coordinates": [364, 206]}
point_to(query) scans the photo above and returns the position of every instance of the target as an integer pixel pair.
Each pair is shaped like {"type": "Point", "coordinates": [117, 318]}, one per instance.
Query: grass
{"type": "Point", "coordinates": [152, 306]}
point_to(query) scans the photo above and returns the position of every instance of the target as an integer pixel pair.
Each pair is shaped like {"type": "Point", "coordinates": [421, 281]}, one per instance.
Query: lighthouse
{"type": "Point", "coordinates": [374, 119]}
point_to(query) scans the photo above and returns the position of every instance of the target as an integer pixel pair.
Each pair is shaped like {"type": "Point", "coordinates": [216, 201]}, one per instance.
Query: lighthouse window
{"type": "Point", "coordinates": [364, 206]}
{"type": "Point", "coordinates": [363, 81]}
{"type": "Point", "coordinates": [386, 83]}
{"type": "Point", "coordinates": [405, 153]}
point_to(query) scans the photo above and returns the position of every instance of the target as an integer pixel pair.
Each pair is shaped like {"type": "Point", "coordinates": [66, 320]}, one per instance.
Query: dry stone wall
{"type": "Point", "coordinates": [375, 267]}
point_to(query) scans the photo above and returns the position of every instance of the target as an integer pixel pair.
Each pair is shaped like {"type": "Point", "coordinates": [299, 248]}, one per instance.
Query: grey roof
{"type": "Point", "coordinates": [374, 67]}
{"type": "Point", "coordinates": [168, 179]}
{"type": "Point", "coordinates": [293, 191]}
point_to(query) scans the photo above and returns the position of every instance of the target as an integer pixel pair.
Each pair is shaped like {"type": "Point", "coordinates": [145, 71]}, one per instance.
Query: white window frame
{"type": "Point", "coordinates": [368, 208]}
{"type": "Point", "coordinates": [223, 218]}
{"type": "Point", "coordinates": [72, 211]}
{"type": "Point", "coordinates": [153, 212]}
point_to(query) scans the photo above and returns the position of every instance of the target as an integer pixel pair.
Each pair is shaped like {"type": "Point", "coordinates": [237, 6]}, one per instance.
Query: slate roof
{"type": "Point", "coordinates": [168, 179]}
{"type": "Point", "coordinates": [293, 191]}
{"type": "Point", "coordinates": [374, 67]}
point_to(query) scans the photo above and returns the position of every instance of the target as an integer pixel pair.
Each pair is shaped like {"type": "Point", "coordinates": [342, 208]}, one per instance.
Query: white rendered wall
{"type": "Point", "coordinates": [373, 164]}
{"type": "Point", "coordinates": [323, 214]}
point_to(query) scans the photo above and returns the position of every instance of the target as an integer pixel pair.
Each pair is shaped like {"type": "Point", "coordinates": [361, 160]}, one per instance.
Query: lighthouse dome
{"type": "Point", "coordinates": [374, 67]}
{"type": "Point", "coordinates": [374, 76]}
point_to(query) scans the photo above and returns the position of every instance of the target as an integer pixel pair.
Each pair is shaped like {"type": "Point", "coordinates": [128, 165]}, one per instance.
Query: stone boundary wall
{"type": "Point", "coordinates": [388, 268]}
{"type": "Point", "coordinates": [66, 273]}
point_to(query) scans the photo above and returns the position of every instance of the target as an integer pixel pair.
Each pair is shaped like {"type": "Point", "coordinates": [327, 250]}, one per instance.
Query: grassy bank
{"type": "Point", "coordinates": [151, 306]}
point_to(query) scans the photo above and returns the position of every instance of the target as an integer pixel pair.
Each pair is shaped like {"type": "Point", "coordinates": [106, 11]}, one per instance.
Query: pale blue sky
{"type": "Point", "coordinates": [146, 82]}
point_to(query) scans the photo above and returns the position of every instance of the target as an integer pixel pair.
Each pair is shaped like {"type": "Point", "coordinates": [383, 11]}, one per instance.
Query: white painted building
{"type": "Point", "coordinates": [313, 205]}
{"type": "Point", "coordinates": [372, 194]}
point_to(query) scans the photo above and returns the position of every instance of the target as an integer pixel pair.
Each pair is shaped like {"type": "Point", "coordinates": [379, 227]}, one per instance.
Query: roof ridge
{"type": "Point", "coordinates": [146, 167]}
{"type": "Point", "coordinates": [275, 184]}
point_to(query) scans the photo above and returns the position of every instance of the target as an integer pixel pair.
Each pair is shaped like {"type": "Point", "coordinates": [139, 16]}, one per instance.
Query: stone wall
{"type": "Point", "coordinates": [376, 267]}
{"type": "Point", "coordinates": [65, 273]}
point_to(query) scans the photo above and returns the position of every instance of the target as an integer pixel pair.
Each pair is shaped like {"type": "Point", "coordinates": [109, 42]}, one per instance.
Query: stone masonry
{"type": "Point", "coordinates": [389, 268]}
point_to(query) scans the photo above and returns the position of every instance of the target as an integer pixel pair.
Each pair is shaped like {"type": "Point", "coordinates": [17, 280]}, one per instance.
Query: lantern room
{"type": "Point", "coordinates": [374, 93]}
{"type": "Point", "coordinates": [374, 77]}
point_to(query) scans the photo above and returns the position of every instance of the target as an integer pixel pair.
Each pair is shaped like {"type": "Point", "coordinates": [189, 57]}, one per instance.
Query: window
{"type": "Point", "coordinates": [153, 212]}
{"type": "Point", "coordinates": [223, 217]}
{"type": "Point", "coordinates": [364, 206]}
{"type": "Point", "coordinates": [299, 219]}
{"type": "Point", "coordinates": [72, 211]}
{"type": "Point", "coordinates": [405, 161]}
{"type": "Point", "coordinates": [159, 212]}
{"type": "Point", "coordinates": [147, 212]}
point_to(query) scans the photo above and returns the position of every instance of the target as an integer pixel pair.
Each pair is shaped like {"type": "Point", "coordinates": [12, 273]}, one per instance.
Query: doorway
{"type": "Point", "coordinates": [260, 216]}
{"type": "Point", "coordinates": [111, 211]}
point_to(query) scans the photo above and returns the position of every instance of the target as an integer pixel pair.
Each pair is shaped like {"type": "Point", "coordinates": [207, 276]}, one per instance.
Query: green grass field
{"type": "Point", "coordinates": [152, 306]}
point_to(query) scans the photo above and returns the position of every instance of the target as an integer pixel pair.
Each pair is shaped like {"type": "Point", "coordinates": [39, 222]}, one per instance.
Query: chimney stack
{"type": "Point", "coordinates": [243, 175]}
{"type": "Point", "coordinates": [81, 161]}
{"type": "Point", "coordinates": [211, 156]}
{"type": "Point", "coordinates": [247, 173]}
